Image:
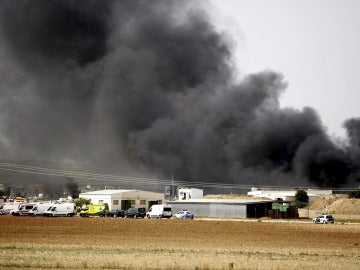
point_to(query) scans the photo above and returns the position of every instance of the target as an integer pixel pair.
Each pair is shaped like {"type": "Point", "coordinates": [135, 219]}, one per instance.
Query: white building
{"type": "Point", "coordinates": [124, 199]}
{"type": "Point", "coordinates": [287, 195]}
{"type": "Point", "coordinates": [190, 193]}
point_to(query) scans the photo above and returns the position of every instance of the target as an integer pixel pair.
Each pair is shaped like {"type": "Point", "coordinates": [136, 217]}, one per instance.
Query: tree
{"type": "Point", "coordinates": [301, 196]}
{"type": "Point", "coordinates": [81, 201]}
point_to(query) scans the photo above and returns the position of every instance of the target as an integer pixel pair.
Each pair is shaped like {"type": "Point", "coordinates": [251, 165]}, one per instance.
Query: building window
{"type": "Point", "coordinates": [101, 201]}
{"type": "Point", "coordinates": [132, 202]}
{"type": "Point", "coordinates": [142, 202]}
{"type": "Point", "coordinates": [115, 202]}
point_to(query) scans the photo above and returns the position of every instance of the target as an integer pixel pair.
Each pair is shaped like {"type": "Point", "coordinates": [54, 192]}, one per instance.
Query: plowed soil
{"type": "Point", "coordinates": [109, 243]}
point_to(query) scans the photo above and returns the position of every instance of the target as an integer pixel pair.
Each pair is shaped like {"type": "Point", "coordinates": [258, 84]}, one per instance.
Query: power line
{"type": "Point", "coordinates": [18, 168]}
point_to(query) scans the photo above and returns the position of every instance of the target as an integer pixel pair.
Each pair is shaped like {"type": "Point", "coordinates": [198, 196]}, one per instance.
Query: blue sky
{"type": "Point", "coordinates": [314, 44]}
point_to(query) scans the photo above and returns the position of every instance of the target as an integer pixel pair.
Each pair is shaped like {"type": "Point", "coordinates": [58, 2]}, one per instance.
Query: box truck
{"type": "Point", "coordinates": [159, 211]}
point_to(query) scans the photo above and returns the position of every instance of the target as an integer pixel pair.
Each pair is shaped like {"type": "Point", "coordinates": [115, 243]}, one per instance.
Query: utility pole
{"type": "Point", "coordinates": [172, 195]}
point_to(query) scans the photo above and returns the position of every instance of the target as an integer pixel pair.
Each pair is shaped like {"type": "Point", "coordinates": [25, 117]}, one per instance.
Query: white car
{"type": "Point", "coordinates": [184, 214]}
{"type": "Point", "coordinates": [324, 219]}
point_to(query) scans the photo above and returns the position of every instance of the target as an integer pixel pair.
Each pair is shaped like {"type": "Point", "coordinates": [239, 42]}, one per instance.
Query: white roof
{"type": "Point", "coordinates": [107, 192]}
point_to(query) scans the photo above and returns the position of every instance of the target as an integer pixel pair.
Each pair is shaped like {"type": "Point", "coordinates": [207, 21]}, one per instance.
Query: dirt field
{"type": "Point", "coordinates": [108, 243]}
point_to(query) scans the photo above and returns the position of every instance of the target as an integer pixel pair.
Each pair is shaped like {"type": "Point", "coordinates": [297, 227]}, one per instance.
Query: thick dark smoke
{"type": "Point", "coordinates": [147, 88]}
{"type": "Point", "coordinates": [51, 32]}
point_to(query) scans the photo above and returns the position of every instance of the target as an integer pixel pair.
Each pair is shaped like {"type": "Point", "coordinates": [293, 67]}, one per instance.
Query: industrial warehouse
{"type": "Point", "coordinates": [225, 208]}
{"type": "Point", "coordinates": [124, 199]}
{"type": "Point", "coordinates": [214, 208]}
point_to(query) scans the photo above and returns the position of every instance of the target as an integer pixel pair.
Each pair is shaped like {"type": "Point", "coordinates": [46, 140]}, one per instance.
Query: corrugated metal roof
{"type": "Point", "coordinates": [239, 201]}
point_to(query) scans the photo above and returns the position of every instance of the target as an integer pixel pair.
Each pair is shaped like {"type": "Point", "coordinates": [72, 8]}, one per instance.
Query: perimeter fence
{"type": "Point", "coordinates": [353, 214]}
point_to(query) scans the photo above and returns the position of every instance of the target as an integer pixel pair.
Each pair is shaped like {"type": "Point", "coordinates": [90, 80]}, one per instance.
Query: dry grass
{"type": "Point", "coordinates": [98, 243]}
{"type": "Point", "coordinates": [337, 204]}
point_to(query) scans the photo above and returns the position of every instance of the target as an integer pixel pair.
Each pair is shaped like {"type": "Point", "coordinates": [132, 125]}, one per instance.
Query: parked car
{"type": "Point", "coordinates": [116, 213]}
{"type": "Point", "coordinates": [184, 214]}
{"type": "Point", "coordinates": [324, 219]}
{"type": "Point", "coordinates": [135, 213]}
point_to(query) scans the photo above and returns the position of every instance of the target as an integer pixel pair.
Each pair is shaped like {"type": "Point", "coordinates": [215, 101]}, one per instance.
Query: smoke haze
{"type": "Point", "coordinates": [148, 88]}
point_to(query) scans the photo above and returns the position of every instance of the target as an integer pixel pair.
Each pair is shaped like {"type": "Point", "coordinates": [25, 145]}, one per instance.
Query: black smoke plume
{"type": "Point", "coordinates": [148, 88]}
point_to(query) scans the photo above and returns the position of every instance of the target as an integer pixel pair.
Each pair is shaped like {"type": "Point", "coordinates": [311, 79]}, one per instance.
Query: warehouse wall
{"type": "Point", "coordinates": [212, 209]}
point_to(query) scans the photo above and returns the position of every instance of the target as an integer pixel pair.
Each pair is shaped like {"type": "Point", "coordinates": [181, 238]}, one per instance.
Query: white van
{"type": "Point", "coordinates": [39, 209]}
{"type": "Point", "coordinates": [23, 209]}
{"type": "Point", "coordinates": [159, 211]}
{"type": "Point", "coordinates": [57, 210]}
{"type": "Point", "coordinates": [7, 208]}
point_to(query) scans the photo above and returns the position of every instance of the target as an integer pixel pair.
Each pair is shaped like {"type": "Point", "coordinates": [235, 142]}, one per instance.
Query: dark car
{"type": "Point", "coordinates": [116, 213]}
{"type": "Point", "coordinates": [135, 213]}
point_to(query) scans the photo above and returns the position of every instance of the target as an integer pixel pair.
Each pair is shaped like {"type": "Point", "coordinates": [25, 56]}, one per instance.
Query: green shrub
{"type": "Point", "coordinates": [301, 196]}
{"type": "Point", "coordinates": [354, 194]}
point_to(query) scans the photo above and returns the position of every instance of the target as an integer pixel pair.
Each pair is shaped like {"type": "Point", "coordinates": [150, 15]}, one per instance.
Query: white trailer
{"type": "Point", "coordinates": [65, 209]}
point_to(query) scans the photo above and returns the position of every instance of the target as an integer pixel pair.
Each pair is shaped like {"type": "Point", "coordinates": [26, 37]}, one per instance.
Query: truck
{"type": "Point", "coordinates": [100, 210]}
{"type": "Point", "coordinates": [58, 210]}
{"type": "Point", "coordinates": [159, 211]}
{"type": "Point", "coordinates": [39, 209]}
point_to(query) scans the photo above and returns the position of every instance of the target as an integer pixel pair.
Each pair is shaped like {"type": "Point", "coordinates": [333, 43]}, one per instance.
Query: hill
{"type": "Point", "coordinates": [336, 204]}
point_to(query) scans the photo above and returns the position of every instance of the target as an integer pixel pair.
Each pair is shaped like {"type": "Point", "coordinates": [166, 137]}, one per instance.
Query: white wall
{"type": "Point", "coordinates": [95, 199]}
{"type": "Point", "coordinates": [288, 195]}
{"type": "Point", "coordinates": [133, 195]}
{"type": "Point", "coordinates": [190, 193]}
